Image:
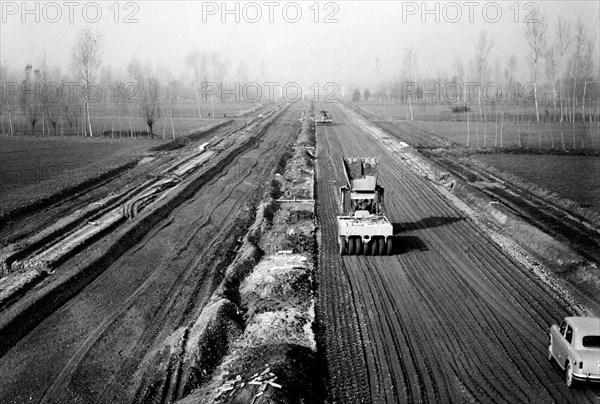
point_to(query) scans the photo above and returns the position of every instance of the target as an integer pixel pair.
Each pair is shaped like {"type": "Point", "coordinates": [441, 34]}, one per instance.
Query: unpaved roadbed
{"type": "Point", "coordinates": [450, 317]}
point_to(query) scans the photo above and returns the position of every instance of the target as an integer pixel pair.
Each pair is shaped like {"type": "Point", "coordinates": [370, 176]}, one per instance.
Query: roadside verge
{"type": "Point", "coordinates": [254, 340]}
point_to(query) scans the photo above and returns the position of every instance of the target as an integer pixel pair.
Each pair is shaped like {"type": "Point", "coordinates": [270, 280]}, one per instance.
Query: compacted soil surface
{"type": "Point", "coordinates": [449, 317]}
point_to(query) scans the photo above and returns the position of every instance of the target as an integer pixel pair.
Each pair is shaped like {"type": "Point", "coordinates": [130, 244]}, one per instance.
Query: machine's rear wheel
{"type": "Point", "coordinates": [367, 247]}
{"type": "Point", "coordinates": [375, 246]}
{"type": "Point", "coordinates": [359, 246]}
{"type": "Point", "coordinates": [343, 246]}
{"type": "Point", "coordinates": [351, 246]}
{"type": "Point", "coordinates": [390, 246]}
{"type": "Point", "coordinates": [381, 245]}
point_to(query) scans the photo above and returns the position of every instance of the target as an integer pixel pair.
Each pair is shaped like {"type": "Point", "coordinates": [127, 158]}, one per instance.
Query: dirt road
{"type": "Point", "coordinates": [89, 350]}
{"type": "Point", "coordinates": [449, 318]}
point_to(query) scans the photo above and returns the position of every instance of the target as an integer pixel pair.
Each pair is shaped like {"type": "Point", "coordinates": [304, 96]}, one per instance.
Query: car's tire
{"type": "Point", "coordinates": [569, 381]}
{"type": "Point", "coordinates": [550, 356]}
{"type": "Point", "coordinates": [343, 246]}
{"type": "Point", "coordinates": [351, 246]}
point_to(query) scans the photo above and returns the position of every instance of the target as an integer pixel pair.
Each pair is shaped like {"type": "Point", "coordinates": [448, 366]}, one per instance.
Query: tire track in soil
{"type": "Point", "coordinates": [470, 322]}
{"type": "Point", "coordinates": [341, 341]}
{"type": "Point", "coordinates": [177, 265]}
{"type": "Point", "coordinates": [116, 319]}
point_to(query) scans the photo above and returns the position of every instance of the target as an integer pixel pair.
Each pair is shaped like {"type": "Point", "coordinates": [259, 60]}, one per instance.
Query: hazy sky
{"type": "Point", "coordinates": [307, 51]}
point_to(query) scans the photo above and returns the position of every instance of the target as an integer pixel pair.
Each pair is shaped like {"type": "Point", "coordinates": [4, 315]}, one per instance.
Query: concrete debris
{"type": "Point", "coordinates": [263, 380]}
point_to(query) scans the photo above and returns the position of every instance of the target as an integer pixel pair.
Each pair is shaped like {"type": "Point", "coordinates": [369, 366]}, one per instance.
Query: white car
{"type": "Point", "coordinates": [575, 345]}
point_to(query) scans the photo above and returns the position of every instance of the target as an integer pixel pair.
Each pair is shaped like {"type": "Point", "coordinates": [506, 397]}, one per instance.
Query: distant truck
{"type": "Point", "coordinates": [324, 117]}
{"type": "Point", "coordinates": [363, 227]}
{"type": "Point", "coordinates": [463, 108]}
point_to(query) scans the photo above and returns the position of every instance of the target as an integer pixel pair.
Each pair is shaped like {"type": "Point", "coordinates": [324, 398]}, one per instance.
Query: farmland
{"type": "Point", "coordinates": [530, 151]}
{"type": "Point", "coordinates": [512, 135]}
{"type": "Point", "coordinates": [573, 177]}
{"type": "Point", "coordinates": [32, 168]}
{"type": "Point", "coordinates": [27, 160]}
{"type": "Point", "coordinates": [124, 121]}
{"type": "Point", "coordinates": [518, 128]}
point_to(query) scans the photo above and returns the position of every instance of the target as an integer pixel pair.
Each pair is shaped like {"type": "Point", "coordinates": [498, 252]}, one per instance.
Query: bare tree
{"type": "Point", "coordinates": [578, 62]}
{"type": "Point", "coordinates": [86, 61]}
{"type": "Point", "coordinates": [459, 71]}
{"type": "Point", "coordinates": [149, 93]}
{"type": "Point", "coordinates": [409, 68]}
{"type": "Point", "coordinates": [30, 95]}
{"type": "Point", "coordinates": [509, 79]}
{"type": "Point", "coordinates": [535, 34]}
{"type": "Point", "coordinates": [150, 101]}
{"type": "Point", "coordinates": [509, 74]}
{"type": "Point", "coordinates": [551, 70]}
{"type": "Point", "coordinates": [70, 113]}
{"type": "Point", "coordinates": [9, 99]}
{"type": "Point", "coordinates": [110, 91]}
{"type": "Point", "coordinates": [562, 44]}
{"type": "Point", "coordinates": [42, 76]}
{"type": "Point", "coordinates": [197, 63]}
{"type": "Point", "coordinates": [53, 98]}
{"type": "Point", "coordinates": [218, 66]}
{"type": "Point", "coordinates": [483, 48]}
{"type": "Point", "coordinates": [587, 72]}
{"type": "Point", "coordinates": [71, 107]}
{"type": "Point", "coordinates": [50, 94]}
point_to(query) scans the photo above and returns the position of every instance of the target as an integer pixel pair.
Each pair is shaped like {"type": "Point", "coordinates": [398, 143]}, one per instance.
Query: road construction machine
{"type": "Point", "coordinates": [324, 117]}
{"type": "Point", "coordinates": [363, 227]}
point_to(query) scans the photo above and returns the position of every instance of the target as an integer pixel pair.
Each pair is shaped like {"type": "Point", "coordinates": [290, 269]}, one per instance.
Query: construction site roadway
{"type": "Point", "coordinates": [449, 317]}
{"type": "Point", "coordinates": [89, 347]}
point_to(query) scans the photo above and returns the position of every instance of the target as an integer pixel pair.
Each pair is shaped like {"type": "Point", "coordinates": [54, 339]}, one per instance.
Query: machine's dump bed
{"type": "Point", "coordinates": [361, 173]}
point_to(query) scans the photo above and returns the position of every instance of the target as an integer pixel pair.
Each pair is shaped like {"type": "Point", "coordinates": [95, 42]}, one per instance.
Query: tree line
{"type": "Point", "coordinates": [562, 68]}
{"type": "Point", "coordinates": [44, 95]}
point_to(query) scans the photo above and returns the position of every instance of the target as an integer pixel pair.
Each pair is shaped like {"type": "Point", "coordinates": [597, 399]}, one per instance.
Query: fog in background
{"type": "Point", "coordinates": [345, 51]}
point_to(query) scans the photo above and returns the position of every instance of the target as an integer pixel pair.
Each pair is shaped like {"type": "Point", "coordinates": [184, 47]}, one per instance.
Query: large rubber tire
{"type": "Point", "coordinates": [375, 246]}
{"type": "Point", "coordinates": [381, 246]}
{"type": "Point", "coordinates": [569, 375]}
{"type": "Point", "coordinates": [343, 246]}
{"type": "Point", "coordinates": [359, 246]}
{"type": "Point", "coordinates": [351, 246]}
{"type": "Point", "coordinates": [368, 247]}
{"type": "Point", "coordinates": [390, 246]}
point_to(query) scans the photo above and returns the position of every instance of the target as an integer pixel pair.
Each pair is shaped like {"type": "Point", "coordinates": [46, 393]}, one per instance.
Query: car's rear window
{"type": "Point", "coordinates": [591, 341]}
